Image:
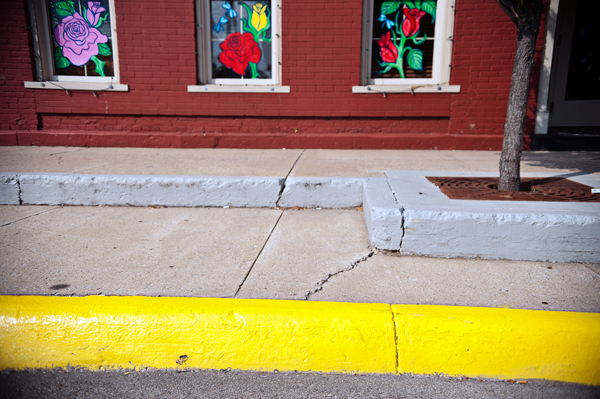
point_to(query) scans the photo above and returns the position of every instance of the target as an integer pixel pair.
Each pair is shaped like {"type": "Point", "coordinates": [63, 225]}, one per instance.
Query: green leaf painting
{"type": "Point", "coordinates": [415, 59]}
{"type": "Point", "coordinates": [99, 65]}
{"type": "Point", "coordinates": [389, 7]}
{"type": "Point", "coordinates": [103, 49]}
{"type": "Point", "coordinates": [429, 7]}
{"type": "Point", "coordinates": [64, 8]}
{"type": "Point", "coordinates": [59, 60]}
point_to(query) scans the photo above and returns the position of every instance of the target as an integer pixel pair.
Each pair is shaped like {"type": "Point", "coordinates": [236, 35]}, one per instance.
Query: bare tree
{"type": "Point", "coordinates": [526, 15]}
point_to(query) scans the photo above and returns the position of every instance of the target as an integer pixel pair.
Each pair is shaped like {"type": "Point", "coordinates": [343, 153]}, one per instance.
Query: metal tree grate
{"type": "Point", "coordinates": [549, 189]}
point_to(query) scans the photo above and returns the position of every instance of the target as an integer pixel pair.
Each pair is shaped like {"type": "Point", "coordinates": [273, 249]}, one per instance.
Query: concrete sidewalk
{"type": "Point", "coordinates": [320, 255]}
{"type": "Point", "coordinates": [296, 163]}
{"type": "Point", "coordinates": [279, 253]}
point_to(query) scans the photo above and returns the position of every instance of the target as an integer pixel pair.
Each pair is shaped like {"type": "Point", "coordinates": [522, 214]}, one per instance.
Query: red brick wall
{"type": "Point", "coordinates": [320, 62]}
{"type": "Point", "coordinates": [17, 104]}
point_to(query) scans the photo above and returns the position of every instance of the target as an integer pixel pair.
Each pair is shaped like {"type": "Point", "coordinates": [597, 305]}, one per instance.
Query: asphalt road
{"type": "Point", "coordinates": [239, 384]}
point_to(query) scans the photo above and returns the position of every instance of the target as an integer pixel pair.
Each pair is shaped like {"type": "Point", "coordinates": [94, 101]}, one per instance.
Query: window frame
{"type": "Point", "coordinates": [204, 57]}
{"type": "Point", "coordinates": [440, 80]}
{"type": "Point", "coordinates": [44, 52]}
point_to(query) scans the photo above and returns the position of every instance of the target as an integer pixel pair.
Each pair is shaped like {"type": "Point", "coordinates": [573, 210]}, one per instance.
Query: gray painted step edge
{"type": "Point", "coordinates": [435, 225]}
{"type": "Point", "coordinates": [130, 190]}
{"type": "Point", "coordinates": [146, 190]}
{"type": "Point", "coordinates": [383, 215]}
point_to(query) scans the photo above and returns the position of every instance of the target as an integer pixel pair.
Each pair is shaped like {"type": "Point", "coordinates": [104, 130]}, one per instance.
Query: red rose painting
{"type": "Point", "coordinates": [412, 22]}
{"type": "Point", "coordinates": [389, 51]}
{"type": "Point", "coordinates": [238, 51]}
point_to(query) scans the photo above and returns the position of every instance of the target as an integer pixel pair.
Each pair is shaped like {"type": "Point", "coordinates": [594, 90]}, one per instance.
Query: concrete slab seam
{"type": "Point", "coordinates": [99, 332]}
{"type": "Point", "coordinates": [259, 253]}
{"type": "Point", "coordinates": [283, 182]}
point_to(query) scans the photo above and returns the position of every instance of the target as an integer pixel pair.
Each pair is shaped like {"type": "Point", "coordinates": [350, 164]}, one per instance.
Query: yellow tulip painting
{"type": "Point", "coordinates": [259, 17]}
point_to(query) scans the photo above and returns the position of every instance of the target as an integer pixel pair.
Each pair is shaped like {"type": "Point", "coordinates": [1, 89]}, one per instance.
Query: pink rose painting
{"type": "Point", "coordinates": [93, 12]}
{"type": "Point", "coordinates": [78, 39]}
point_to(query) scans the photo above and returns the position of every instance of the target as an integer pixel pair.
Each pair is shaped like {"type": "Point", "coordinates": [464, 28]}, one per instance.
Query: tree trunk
{"type": "Point", "coordinates": [528, 24]}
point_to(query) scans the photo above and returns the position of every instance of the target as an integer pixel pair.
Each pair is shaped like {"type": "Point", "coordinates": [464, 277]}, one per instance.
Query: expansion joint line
{"type": "Point", "coordinates": [321, 283]}
{"type": "Point", "coordinates": [284, 180]}
{"type": "Point", "coordinates": [259, 253]}
{"type": "Point", "coordinates": [396, 343]}
{"type": "Point", "coordinates": [30, 216]}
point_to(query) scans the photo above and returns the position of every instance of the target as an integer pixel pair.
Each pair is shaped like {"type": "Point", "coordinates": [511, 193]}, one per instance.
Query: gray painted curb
{"type": "Point", "coordinates": [323, 192]}
{"type": "Point", "coordinates": [383, 215]}
{"type": "Point", "coordinates": [435, 225]}
{"type": "Point", "coordinates": [187, 191]}
{"type": "Point", "coordinates": [9, 190]}
{"type": "Point", "coordinates": [71, 189]}
{"type": "Point", "coordinates": [403, 212]}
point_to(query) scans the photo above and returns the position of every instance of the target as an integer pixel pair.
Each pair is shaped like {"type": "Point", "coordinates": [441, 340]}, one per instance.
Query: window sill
{"type": "Point", "coordinates": [405, 89]}
{"type": "Point", "coordinates": [95, 86]}
{"type": "Point", "coordinates": [237, 89]}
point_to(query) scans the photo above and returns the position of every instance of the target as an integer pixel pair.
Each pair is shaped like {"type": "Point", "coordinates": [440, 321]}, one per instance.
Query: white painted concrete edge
{"type": "Point", "coordinates": [383, 215]}
{"type": "Point", "coordinates": [323, 192]}
{"type": "Point", "coordinates": [403, 212]}
{"type": "Point", "coordinates": [435, 225]}
{"type": "Point", "coordinates": [188, 191]}
{"type": "Point", "coordinates": [130, 190]}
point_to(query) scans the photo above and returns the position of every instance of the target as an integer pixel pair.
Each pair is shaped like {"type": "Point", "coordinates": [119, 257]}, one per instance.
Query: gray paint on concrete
{"type": "Point", "coordinates": [72, 189]}
{"type": "Point", "coordinates": [434, 225]}
{"type": "Point", "coordinates": [383, 215]}
{"type": "Point", "coordinates": [323, 192]}
{"type": "Point", "coordinates": [9, 189]}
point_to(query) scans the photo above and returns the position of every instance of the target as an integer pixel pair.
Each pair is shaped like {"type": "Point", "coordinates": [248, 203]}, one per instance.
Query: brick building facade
{"type": "Point", "coordinates": [320, 63]}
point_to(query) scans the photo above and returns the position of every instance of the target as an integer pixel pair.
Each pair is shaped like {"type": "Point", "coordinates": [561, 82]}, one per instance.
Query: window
{"type": "Point", "coordinates": [238, 46]}
{"type": "Point", "coordinates": [407, 46]}
{"type": "Point", "coordinates": [75, 45]}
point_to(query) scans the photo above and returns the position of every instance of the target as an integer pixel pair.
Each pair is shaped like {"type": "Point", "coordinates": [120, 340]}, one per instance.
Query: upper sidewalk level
{"type": "Point", "coordinates": [300, 163]}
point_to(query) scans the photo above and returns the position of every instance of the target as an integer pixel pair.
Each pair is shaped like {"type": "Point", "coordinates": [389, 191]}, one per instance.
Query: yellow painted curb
{"type": "Point", "coordinates": [498, 343]}
{"type": "Point", "coordinates": [96, 331]}
{"type": "Point", "coordinates": [112, 332]}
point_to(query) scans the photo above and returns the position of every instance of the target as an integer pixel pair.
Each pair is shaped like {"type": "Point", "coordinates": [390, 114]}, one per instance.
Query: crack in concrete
{"type": "Point", "coordinates": [402, 224]}
{"type": "Point", "coordinates": [67, 151]}
{"type": "Point", "coordinates": [19, 186]}
{"type": "Point", "coordinates": [321, 283]}
{"type": "Point", "coordinates": [259, 253]}
{"type": "Point", "coordinates": [284, 180]}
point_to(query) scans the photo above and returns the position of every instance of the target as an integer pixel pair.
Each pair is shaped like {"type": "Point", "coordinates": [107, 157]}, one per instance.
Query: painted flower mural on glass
{"type": "Point", "coordinates": [81, 38]}
{"type": "Point", "coordinates": [402, 44]}
{"type": "Point", "coordinates": [241, 40]}
{"type": "Point", "coordinates": [239, 51]}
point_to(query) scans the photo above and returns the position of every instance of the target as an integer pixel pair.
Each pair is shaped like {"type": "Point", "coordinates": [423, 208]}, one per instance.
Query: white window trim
{"type": "Point", "coordinates": [439, 83]}
{"type": "Point", "coordinates": [203, 29]}
{"type": "Point", "coordinates": [44, 55]}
